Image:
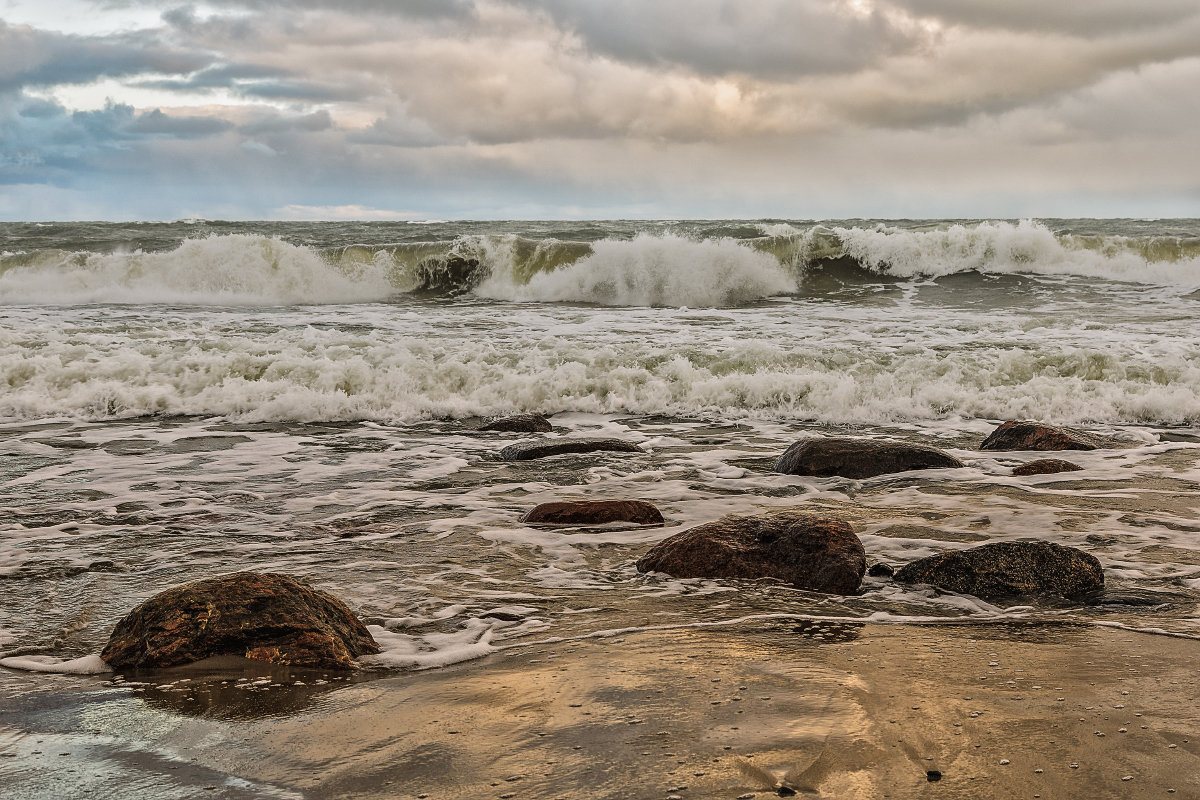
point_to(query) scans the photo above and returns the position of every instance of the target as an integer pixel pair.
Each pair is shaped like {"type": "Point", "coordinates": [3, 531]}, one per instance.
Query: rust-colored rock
{"type": "Point", "coordinates": [805, 550]}
{"type": "Point", "coordinates": [260, 616]}
{"type": "Point", "coordinates": [859, 458]}
{"type": "Point", "coordinates": [1013, 435]}
{"type": "Point", "coordinates": [594, 512]}
{"type": "Point", "coordinates": [541, 448]}
{"type": "Point", "coordinates": [1003, 570]}
{"type": "Point", "coordinates": [1045, 466]}
{"type": "Point", "coordinates": [519, 423]}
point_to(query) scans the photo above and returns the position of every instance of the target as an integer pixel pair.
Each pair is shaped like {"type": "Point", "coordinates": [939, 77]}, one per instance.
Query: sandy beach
{"type": "Point", "coordinates": [834, 710]}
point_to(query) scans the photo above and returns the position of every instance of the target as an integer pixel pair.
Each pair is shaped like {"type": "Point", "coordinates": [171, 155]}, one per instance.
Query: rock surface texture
{"type": "Point", "coordinates": [594, 512]}
{"type": "Point", "coordinates": [520, 423]}
{"type": "Point", "coordinates": [859, 458]}
{"type": "Point", "coordinates": [1003, 570]}
{"type": "Point", "coordinates": [541, 448]}
{"type": "Point", "coordinates": [1014, 435]}
{"type": "Point", "coordinates": [1045, 466]}
{"type": "Point", "coordinates": [805, 550]}
{"type": "Point", "coordinates": [260, 616]}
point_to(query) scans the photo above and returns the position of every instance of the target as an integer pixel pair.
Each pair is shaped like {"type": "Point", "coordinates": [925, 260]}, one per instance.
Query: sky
{"type": "Point", "coordinates": [573, 109]}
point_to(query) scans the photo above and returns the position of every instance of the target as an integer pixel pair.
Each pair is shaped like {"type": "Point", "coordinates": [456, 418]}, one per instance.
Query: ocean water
{"type": "Point", "coordinates": [187, 399]}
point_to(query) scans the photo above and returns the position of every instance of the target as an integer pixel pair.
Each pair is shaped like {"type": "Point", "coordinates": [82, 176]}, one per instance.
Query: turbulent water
{"type": "Point", "coordinates": [185, 399]}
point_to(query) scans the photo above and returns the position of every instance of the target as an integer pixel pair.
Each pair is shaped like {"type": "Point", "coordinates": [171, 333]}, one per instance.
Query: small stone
{"type": "Point", "coordinates": [933, 775]}
{"type": "Point", "coordinates": [1004, 762]}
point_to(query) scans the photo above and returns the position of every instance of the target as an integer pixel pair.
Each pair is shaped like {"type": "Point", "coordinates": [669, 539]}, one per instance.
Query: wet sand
{"type": "Point", "coordinates": [834, 710]}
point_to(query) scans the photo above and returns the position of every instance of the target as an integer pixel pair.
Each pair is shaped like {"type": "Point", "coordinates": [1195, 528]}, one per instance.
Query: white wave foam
{"type": "Point", "coordinates": [666, 270]}
{"type": "Point", "coordinates": [236, 269]}
{"type": "Point", "coordinates": [1027, 247]}
{"type": "Point", "coordinates": [88, 665]}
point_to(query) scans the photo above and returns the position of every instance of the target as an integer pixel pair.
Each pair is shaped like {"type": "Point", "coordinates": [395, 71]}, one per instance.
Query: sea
{"type": "Point", "coordinates": [188, 399]}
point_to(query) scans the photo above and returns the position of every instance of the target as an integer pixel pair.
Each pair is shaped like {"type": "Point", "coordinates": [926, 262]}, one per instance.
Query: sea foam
{"type": "Point", "coordinates": [650, 270]}
{"type": "Point", "coordinates": [237, 269]}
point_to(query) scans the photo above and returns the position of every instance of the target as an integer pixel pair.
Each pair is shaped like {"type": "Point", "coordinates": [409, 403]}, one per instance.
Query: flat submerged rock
{"type": "Point", "coordinates": [848, 457]}
{"type": "Point", "coordinates": [543, 448]}
{"type": "Point", "coordinates": [1046, 466]}
{"type": "Point", "coordinates": [519, 423]}
{"type": "Point", "coordinates": [593, 512]}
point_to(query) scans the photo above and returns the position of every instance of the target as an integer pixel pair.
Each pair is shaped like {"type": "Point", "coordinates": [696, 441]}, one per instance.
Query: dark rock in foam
{"type": "Point", "coordinates": [1013, 435]}
{"type": "Point", "coordinates": [805, 550]}
{"type": "Point", "coordinates": [1002, 570]}
{"type": "Point", "coordinates": [260, 616]}
{"type": "Point", "coordinates": [859, 458]}
{"type": "Point", "coordinates": [1045, 466]}
{"type": "Point", "coordinates": [519, 423]}
{"type": "Point", "coordinates": [881, 570]}
{"type": "Point", "coordinates": [541, 448]}
{"type": "Point", "coordinates": [594, 512]}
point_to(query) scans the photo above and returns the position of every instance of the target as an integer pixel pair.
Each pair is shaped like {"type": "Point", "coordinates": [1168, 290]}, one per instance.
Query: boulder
{"type": "Point", "coordinates": [1002, 570]}
{"type": "Point", "coordinates": [594, 512]}
{"type": "Point", "coordinates": [541, 448]}
{"type": "Point", "coordinates": [805, 550]}
{"type": "Point", "coordinates": [881, 570]}
{"type": "Point", "coordinates": [520, 423]}
{"type": "Point", "coordinates": [859, 458]}
{"type": "Point", "coordinates": [1045, 466]}
{"type": "Point", "coordinates": [1014, 435]}
{"type": "Point", "coordinates": [260, 616]}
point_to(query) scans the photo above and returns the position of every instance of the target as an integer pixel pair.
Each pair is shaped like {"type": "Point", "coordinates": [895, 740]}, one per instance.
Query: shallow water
{"type": "Point", "coordinates": [273, 398]}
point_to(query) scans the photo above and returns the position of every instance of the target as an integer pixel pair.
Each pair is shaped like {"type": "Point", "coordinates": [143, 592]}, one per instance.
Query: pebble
{"type": "Point", "coordinates": [1004, 762]}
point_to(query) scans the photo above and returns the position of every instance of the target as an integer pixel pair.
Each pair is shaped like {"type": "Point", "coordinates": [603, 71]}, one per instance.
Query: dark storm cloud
{"type": "Point", "coordinates": [30, 57]}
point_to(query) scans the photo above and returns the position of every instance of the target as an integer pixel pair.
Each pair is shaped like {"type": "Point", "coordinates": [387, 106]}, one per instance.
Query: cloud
{"type": "Point", "coordinates": [768, 38]}
{"type": "Point", "coordinates": [544, 107]}
{"type": "Point", "coordinates": [30, 57]}
{"type": "Point", "coordinates": [1074, 17]}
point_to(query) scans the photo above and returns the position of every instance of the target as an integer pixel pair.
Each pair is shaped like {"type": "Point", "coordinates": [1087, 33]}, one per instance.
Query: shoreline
{"type": "Point", "coordinates": [851, 709]}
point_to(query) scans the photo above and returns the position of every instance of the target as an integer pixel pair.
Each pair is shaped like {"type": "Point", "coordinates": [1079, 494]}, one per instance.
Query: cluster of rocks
{"type": "Point", "coordinates": [281, 620]}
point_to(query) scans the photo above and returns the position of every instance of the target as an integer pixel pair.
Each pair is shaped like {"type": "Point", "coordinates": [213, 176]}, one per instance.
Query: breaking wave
{"type": "Point", "coordinates": [630, 269]}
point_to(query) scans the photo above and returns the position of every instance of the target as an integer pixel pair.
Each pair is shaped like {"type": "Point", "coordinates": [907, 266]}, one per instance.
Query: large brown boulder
{"type": "Point", "coordinates": [519, 423]}
{"type": "Point", "coordinates": [1003, 570]}
{"type": "Point", "coordinates": [541, 448]}
{"type": "Point", "coordinates": [1045, 466]}
{"type": "Point", "coordinates": [805, 550]}
{"type": "Point", "coordinates": [594, 512]}
{"type": "Point", "coordinates": [859, 458]}
{"type": "Point", "coordinates": [1014, 435]}
{"type": "Point", "coordinates": [261, 616]}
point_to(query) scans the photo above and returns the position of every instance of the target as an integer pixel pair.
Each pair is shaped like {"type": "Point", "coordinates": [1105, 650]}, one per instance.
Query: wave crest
{"type": "Point", "coordinates": [665, 270]}
{"type": "Point", "coordinates": [235, 269]}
